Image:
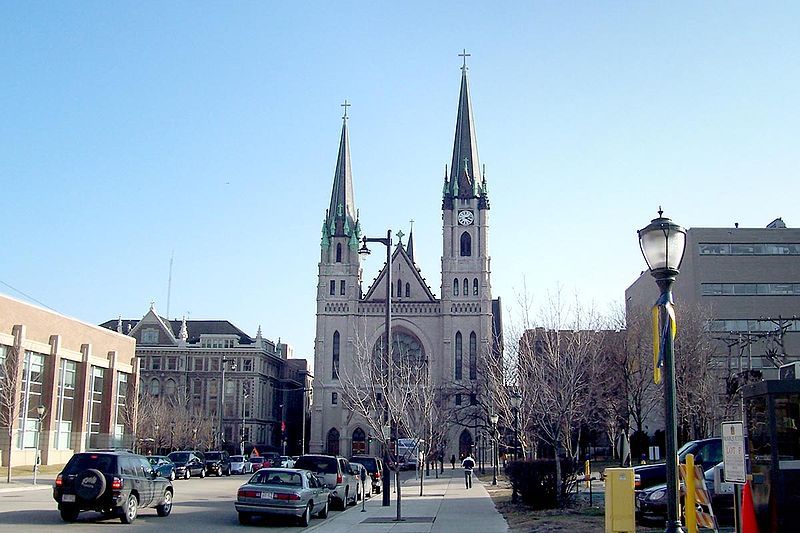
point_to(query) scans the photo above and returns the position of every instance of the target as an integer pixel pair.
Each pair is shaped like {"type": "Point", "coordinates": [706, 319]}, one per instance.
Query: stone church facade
{"type": "Point", "coordinates": [454, 332]}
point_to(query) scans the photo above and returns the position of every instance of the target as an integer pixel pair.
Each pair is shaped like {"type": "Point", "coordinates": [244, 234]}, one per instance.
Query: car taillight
{"type": "Point", "coordinates": [378, 474]}
{"type": "Point", "coordinates": [59, 481]}
{"type": "Point", "coordinates": [286, 496]}
{"type": "Point", "coordinates": [248, 494]}
{"type": "Point", "coordinates": [338, 478]}
{"type": "Point", "coordinates": [637, 480]}
{"type": "Point", "coordinates": [116, 484]}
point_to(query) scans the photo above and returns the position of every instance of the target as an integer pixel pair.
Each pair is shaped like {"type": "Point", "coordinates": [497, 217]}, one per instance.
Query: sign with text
{"type": "Point", "coordinates": [733, 452]}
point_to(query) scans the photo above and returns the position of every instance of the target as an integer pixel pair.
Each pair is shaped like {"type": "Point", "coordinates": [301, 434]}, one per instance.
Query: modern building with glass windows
{"type": "Point", "coordinates": [749, 280]}
{"type": "Point", "coordinates": [83, 376]}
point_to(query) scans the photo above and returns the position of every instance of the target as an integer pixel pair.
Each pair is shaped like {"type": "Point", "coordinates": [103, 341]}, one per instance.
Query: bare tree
{"type": "Point", "coordinates": [9, 400]}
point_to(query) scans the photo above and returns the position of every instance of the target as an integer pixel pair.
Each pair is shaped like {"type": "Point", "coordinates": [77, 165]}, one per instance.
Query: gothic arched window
{"type": "Point", "coordinates": [339, 252]}
{"type": "Point", "coordinates": [169, 387]}
{"type": "Point", "coordinates": [333, 442]}
{"type": "Point", "coordinates": [473, 356]}
{"type": "Point", "coordinates": [466, 287]}
{"type": "Point", "coordinates": [455, 287]}
{"type": "Point", "coordinates": [155, 387]}
{"type": "Point", "coordinates": [333, 287]}
{"type": "Point", "coordinates": [408, 290]}
{"type": "Point", "coordinates": [466, 245]}
{"type": "Point", "coordinates": [399, 288]}
{"type": "Point", "coordinates": [359, 443]}
{"type": "Point", "coordinates": [335, 369]}
{"type": "Point", "coordinates": [475, 286]}
{"type": "Point", "coordinates": [459, 357]}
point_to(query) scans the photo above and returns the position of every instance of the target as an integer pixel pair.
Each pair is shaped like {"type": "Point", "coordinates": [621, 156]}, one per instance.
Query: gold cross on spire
{"type": "Point", "coordinates": [464, 55]}
{"type": "Point", "coordinates": [345, 105]}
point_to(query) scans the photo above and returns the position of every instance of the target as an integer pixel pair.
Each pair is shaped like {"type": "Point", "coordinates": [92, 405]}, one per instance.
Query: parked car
{"type": "Point", "coordinates": [286, 462]}
{"type": "Point", "coordinates": [364, 480]}
{"type": "Point", "coordinates": [240, 465]}
{"type": "Point", "coordinates": [188, 463]}
{"type": "Point", "coordinates": [707, 452]}
{"type": "Point", "coordinates": [374, 466]}
{"type": "Point", "coordinates": [218, 462]}
{"type": "Point", "coordinates": [272, 459]}
{"type": "Point", "coordinates": [115, 483]}
{"type": "Point", "coordinates": [336, 475]}
{"type": "Point", "coordinates": [283, 491]}
{"type": "Point", "coordinates": [163, 466]}
{"type": "Point", "coordinates": [651, 503]}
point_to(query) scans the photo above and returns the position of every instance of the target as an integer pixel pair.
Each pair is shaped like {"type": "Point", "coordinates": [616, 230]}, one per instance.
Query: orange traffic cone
{"type": "Point", "coordinates": [748, 518]}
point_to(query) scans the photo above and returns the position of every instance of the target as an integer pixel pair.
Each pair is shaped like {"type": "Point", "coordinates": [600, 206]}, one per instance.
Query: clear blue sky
{"type": "Point", "coordinates": [132, 129]}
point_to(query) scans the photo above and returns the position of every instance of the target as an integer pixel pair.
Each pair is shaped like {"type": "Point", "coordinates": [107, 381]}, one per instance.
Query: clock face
{"type": "Point", "coordinates": [465, 218]}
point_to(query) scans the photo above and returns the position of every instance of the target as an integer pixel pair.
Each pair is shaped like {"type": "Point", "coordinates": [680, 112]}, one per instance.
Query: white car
{"type": "Point", "coordinates": [286, 462]}
{"type": "Point", "coordinates": [241, 465]}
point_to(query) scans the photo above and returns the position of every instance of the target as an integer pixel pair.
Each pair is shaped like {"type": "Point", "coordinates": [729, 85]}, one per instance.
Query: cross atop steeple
{"type": "Point", "coordinates": [345, 105]}
{"type": "Point", "coordinates": [464, 55]}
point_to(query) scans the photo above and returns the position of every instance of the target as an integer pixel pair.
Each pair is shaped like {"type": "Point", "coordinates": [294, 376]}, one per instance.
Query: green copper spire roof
{"type": "Point", "coordinates": [464, 168]}
{"type": "Point", "coordinates": [341, 218]}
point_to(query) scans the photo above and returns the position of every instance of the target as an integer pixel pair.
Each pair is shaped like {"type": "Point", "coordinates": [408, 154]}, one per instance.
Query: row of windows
{"type": "Point", "coordinates": [749, 289]}
{"type": "Point", "coordinates": [342, 287]}
{"type": "Point", "coordinates": [465, 286]}
{"type": "Point", "coordinates": [750, 325]}
{"type": "Point", "coordinates": [400, 289]}
{"type": "Point", "coordinates": [217, 343]}
{"type": "Point", "coordinates": [749, 249]}
{"type": "Point", "coordinates": [201, 364]}
{"type": "Point", "coordinates": [473, 357]}
{"type": "Point", "coordinates": [473, 399]}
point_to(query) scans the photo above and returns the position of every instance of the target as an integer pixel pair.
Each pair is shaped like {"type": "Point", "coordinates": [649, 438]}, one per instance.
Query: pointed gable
{"type": "Point", "coordinates": [153, 329]}
{"type": "Point", "coordinates": [404, 270]}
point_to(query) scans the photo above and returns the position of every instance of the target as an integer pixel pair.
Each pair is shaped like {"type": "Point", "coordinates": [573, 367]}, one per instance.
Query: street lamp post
{"type": "Point", "coordinates": [40, 411]}
{"type": "Point", "coordinates": [663, 243]}
{"type": "Point", "coordinates": [387, 433]}
{"type": "Point", "coordinates": [516, 400]}
{"type": "Point", "coordinates": [221, 400]}
{"type": "Point", "coordinates": [158, 439]}
{"type": "Point", "coordinates": [244, 415]}
{"type": "Point", "coordinates": [493, 418]}
{"type": "Point", "coordinates": [387, 345]}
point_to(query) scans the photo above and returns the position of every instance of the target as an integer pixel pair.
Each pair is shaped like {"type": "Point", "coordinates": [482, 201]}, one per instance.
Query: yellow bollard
{"type": "Point", "coordinates": [690, 506]}
{"type": "Point", "coordinates": [587, 474]}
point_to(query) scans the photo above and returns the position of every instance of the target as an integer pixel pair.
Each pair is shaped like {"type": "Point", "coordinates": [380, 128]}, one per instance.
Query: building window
{"type": "Point", "coordinates": [334, 398]}
{"type": "Point", "coordinates": [749, 248]}
{"type": "Point", "coordinates": [342, 288]}
{"type": "Point", "coordinates": [473, 399]}
{"type": "Point", "coordinates": [247, 365]}
{"type": "Point", "coordinates": [399, 288]}
{"type": "Point", "coordinates": [198, 364]}
{"type": "Point", "coordinates": [338, 252]}
{"type": "Point", "coordinates": [335, 365]}
{"type": "Point", "coordinates": [473, 356]}
{"type": "Point", "coordinates": [333, 287]}
{"type": "Point", "coordinates": [466, 245]}
{"type": "Point", "coordinates": [97, 381]}
{"type": "Point", "coordinates": [408, 290]}
{"type": "Point", "coordinates": [31, 396]}
{"type": "Point", "coordinates": [455, 287]}
{"type": "Point", "coordinates": [155, 362]}
{"type": "Point", "coordinates": [458, 399]}
{"type": "Point", "coordinates": [750, 289]}
{"type": "Point", "coordinates": [120, 409]}
{"type": "Point", "coordinates": [172, 363]}
{"type": "Point", "coordinates": [466, 287]}
{"type": "Point", "coordinates": [155, 387]}
{"type": "Point", "coordinates": [333, 442]}
{"type": "Point", "coordinates": [459, 357]}
{"type": "Point", "coordinates": [359, 442]}
{"type": "Point", "coordinates": [475, 286]}
{"type": "Point", "coordinates": [150, 336]}
{"type": "Point", "coordinates": [66, 402]}
{"type": "Point", "coordinates": [169, 387]}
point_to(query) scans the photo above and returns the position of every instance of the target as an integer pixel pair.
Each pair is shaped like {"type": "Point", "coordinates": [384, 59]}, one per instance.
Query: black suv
{"type": "Point", "coordinates": [188, 463]}
{"type": "Point", "coordinates": [374, 466]}
{"type": "Point", "coordinates": [115, 483]}
{"type": "Point", "coordinates": [218, 463]}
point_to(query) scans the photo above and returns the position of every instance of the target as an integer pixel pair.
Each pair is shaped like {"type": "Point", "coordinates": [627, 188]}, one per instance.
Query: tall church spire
{"type": "Point", "coordinates": [341, 220]}
{"type": "Point", "coordinates": [464, 179]}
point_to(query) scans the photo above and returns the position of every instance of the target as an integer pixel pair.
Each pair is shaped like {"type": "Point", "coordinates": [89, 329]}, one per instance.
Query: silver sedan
{"type": "Point", "coordinates": [283, 491]}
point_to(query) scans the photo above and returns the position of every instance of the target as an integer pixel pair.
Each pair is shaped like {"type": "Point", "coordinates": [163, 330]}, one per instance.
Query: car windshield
{"type": "Point", "coordinates": [213, 455]}
{"type": "Point", "coordinates": [256, 459]}
{"type": "Point", "coordinates": [238, 459]}
{"type": "Point", "coordinates": [98, 461]}
{"type": "Point", "coordinates": [368, 462]}
{"type": "Point", "coordinates": [273, 477]}
{"type": "Point", "coordinates": [319, 465]}
{"type": "Point", "coordinates": [686, 448]}
{"type": "Point", "coordinates": [179, 457]}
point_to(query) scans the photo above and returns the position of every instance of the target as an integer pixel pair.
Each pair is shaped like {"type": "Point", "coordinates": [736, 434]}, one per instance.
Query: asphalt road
{"type": "Point", "coordinates": [199, 505]}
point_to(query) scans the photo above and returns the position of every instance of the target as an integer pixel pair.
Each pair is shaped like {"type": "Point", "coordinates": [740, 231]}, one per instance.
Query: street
{"type": "Point", "coordinates": [199, 504]}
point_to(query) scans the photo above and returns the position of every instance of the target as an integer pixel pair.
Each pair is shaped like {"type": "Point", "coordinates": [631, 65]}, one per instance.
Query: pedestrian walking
{"type": "Point", "coordinates": [453, 461]}
{"type": "Point", "coordinates": [468, 463]}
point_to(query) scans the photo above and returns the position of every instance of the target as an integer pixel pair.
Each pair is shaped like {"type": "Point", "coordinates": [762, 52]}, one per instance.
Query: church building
{"type": "Point", "coordinates": [454, 332]}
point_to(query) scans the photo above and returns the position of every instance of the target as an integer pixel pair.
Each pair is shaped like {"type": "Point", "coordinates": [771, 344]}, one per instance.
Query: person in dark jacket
{"type": "Point", "coordinates": [468, 463]}
{"type": "Point", "coordinates": [453, 461]}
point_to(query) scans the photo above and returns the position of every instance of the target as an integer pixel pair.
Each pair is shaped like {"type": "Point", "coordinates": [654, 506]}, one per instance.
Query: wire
{"type": "Point", "coordinates": [27, 296]}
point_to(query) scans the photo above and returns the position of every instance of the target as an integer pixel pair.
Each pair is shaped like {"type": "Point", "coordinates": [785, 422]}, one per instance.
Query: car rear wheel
{"type": "Point", "coordinates": [306, 518]}
{"type": "Point", "coordinates": [130, 510]}
{"type": "Point", "coordinates": [172, 475]}
{"type": "Point", "coordinates": [202, 473]}
{"type": "Point", "coordinates": [244, 518]}
{"type": "Point", "coordinates": [69, 513]}
{"type": "Point", "coordinates": [187, 474]}
{"type": "Point", "coordinates": [219, 472]}
{"type": "Point", "coordinates": [165, 508]}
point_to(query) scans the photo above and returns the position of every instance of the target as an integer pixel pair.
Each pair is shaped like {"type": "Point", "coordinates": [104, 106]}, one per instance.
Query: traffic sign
{"type": "Point", "coordinates": [733, 452]}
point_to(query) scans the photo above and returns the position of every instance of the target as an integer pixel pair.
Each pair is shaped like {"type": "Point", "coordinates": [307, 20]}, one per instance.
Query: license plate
{"type": "Point", "coordinates": [266, 495]}
{"type": "Point", "coordinates": [68, 498]}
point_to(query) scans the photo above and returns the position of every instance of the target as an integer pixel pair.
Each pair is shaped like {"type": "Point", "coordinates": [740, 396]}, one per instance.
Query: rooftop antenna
{"type": "Point", "coordinates": [169, 281]}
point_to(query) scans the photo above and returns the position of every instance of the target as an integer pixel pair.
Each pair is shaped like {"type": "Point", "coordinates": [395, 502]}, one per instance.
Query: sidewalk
{"type": "Point", "coordinates": [447, 506]}
{"type": "Point", "coordinates": [23, 483]}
